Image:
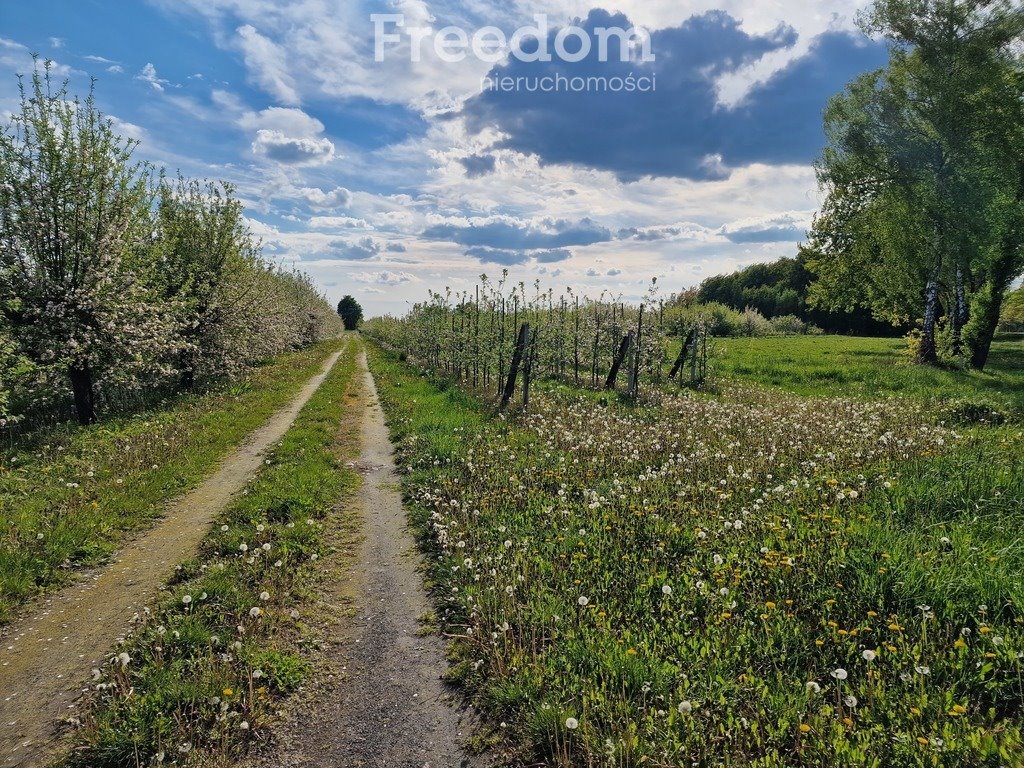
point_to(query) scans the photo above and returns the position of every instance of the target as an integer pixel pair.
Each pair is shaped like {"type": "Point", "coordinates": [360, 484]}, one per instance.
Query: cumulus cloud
{"type": "Point", "coordinates": [339, 197]}
{"type": "Point", "coordinates": [292, 150]}
{"type": "Point", "coordinates": [355, 250]}
{"type": "Point", "coordinates": [779, 227]}
{"type": "Point", "coordinates": [510, 257]}
{"type": "Point", "coordinates": [512, 235]}
{"type": "Point", "coordinates": [384, 278]}
{"type": "Point", "coordinates": [338, 222]}
{"type": "Point", "coordinates": [680, 129]}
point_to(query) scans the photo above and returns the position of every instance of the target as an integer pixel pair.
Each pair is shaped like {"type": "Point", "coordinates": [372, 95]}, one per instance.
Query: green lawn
{"type": "Point", "coordinates": [869, 368]}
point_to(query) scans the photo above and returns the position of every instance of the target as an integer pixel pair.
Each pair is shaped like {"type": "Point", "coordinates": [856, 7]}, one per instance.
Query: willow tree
{"type": "Point", "coordinates": [74, 224]}
{"type": "Point", "coordinates": [913, 152]}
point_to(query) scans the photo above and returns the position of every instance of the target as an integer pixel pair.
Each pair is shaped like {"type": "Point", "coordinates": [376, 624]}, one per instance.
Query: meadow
{"type": "Point", "coordinates": [792, 568]}
{"type": "Point", "coordinates": [871, 368]}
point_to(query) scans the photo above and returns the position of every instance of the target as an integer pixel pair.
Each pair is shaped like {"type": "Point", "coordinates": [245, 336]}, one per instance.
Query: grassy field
{"type": "Point", "coordinates": [69, 495]}
{"type": "Point", "coordinates": [754, 578]}
{"type": "Point", "coordinates": [869, 368]}
{"type": "Point", "coordinates": [202, 674]}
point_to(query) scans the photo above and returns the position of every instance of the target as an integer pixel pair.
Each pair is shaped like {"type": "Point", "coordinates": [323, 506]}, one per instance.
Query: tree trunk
{"type": "Point", "coordinates": [517, 359]}
{"type": "Point", "coordinates": [987, 306]}
{"type": "Point", "coordinates": [85, 402]}
{"type": "Point", "coordinates": [988, 302]}
{"type": "Point", "coordinates": [681, 359]}
{"type": "Point", "coordinates": [961, 312]}
{"type": "Point", "coordinates": [627, 342]}
{"type": "Point", "coordinates": [928, 352]}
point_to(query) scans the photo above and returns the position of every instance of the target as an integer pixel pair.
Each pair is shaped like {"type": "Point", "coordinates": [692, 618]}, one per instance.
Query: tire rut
{"type": "Point", "coordinates": [46, 657]}
{"type": "Point", "coordinates": [385, 705]}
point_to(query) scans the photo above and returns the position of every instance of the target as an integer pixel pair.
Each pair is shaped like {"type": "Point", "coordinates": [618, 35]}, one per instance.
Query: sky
{"type": "Point", "coordinates": [386, 177]}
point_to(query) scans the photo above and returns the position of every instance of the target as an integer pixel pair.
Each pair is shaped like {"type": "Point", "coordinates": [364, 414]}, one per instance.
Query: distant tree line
{"type": "Point", "coordinates": [780, 289]}
{"type": "Point", "coordinates": [116, 280]}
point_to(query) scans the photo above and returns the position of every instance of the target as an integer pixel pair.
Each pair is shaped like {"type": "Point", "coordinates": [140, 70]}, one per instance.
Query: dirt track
{"type": "Point", "coordinates": [46, 657]}
{"type": "Point", "coordinates": [383, 704]}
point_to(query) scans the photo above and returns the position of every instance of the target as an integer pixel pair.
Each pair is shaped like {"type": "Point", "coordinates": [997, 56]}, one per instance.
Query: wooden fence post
{"type": "Point", "coordinates": [627, 342]}
{"type": "Point", "coordinates": [681, 359]}
{"type": "Point", "coordinates": [517, 359]}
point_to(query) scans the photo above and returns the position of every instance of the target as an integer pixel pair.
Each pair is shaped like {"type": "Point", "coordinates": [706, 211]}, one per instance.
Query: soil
{"type": "Point", "coordinates": [379, 701]}
{"type": "Point", "coordinates": [46, 657]}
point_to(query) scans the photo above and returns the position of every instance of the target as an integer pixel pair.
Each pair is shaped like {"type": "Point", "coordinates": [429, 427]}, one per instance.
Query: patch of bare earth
{"type": "Point", "coordinates": [378, 700]}
{"type": "Point", "coordinates": [47, 655]}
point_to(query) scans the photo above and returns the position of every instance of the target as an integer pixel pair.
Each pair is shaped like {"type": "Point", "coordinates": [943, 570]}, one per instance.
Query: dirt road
{"type": "Point", "coordinates": [46, 657]}
{"type": "Point", "coordinates": [385, 704]}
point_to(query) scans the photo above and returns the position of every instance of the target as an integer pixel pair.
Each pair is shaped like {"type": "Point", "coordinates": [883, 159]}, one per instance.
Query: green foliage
{"type": "Point", "coordinates": [1012, 318]}
{"type": "Point", "coordinates": [119, 286]}
{"type": "Point", "coordinates": [923, 173]}
{"type": "Point", "coordinates": [207, 667]}
{"type": "Point", "coordinates": [781, 289]}
{"type": "Point", "coordinates": [350, 312]}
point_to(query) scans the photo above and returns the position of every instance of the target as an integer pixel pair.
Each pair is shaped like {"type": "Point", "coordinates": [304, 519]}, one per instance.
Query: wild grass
{"type": "Point", "coordinates": [203, 671]}
{"type": "Point", "coordinates": [752, 578]}
{"type": "Point", "coordinates": [69, 495]}
{"type": "Point", "coordinates": [849, 366]}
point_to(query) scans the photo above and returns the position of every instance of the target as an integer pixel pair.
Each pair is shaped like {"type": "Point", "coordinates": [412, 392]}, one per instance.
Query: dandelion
{"type": "Point", "coordinates": [869, 655]}
{"type": "Point", "coordinates": [685, 707]}
{"type": "Point", "coordinates": [850, 701]}
{"type": "Point", "coordinates": [264, 596]}
{"type": "Point", "coordinates": [839, 673]}
{"type": "Point", "coordinates": [254, 612]}
{"type": "Point", "coordinates": [124, 659]}
{"type": "Point", "coordinates": [186, 599]}
{"type": "Point", "coordinates": [583, 600]}
{"type": "Point", "coordinates": [666, 590]}
{"type": "Point", "coordinates": [813, 687]}
{"type": "Point", "coordinates": [572, 723]}
{"type": "Point", "coordinates": [923, 669]}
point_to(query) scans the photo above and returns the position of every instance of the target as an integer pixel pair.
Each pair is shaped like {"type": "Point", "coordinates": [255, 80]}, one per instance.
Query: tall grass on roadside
{"type": "Point", "coordinates": [203, 669]}
{"type": "Point", "coordinates": [69, 496]}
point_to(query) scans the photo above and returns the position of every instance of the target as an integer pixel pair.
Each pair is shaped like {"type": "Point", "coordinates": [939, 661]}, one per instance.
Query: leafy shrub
{"type": "Point", "coordinates": [788, 325]}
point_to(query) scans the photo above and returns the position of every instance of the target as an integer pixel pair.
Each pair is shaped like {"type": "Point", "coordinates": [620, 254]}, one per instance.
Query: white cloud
{"type": "Point", "coordinates": [292, 150]}
{"type": "Point", "coordinates": [148, 75]}
{"type": "Point", "coordinates": [338, 222]}
{"type": "Point", "coordinates": [385, 278]}
{"type": "Point", "coordinates": [288, 120]}
{"type": "Point", "coordinates": [267, 63]}
{"type": "Point", "coordinates": [56, 42]}
{"type": "Point", "coordinates": [339, 197]}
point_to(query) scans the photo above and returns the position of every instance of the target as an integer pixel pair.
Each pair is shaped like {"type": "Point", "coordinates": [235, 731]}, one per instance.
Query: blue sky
{"type": "Point", "coordinates": [388, 178]}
